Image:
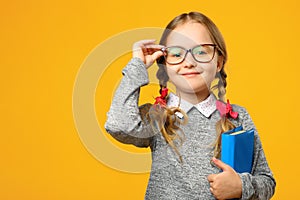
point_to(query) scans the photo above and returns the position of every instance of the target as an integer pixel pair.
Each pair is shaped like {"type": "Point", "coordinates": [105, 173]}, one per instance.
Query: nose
{"type": "Point", "coordinates": [189, 60]}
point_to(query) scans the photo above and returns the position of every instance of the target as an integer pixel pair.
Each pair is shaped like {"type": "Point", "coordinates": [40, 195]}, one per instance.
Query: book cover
{"type": "Point", "coordinates": [237, 149]}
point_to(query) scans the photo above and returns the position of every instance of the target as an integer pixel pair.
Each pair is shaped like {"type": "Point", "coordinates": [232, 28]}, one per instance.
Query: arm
{"type": "Point", "coordinates": [260, 184]}
{"type": "Point", "coordinates": [124, 121]}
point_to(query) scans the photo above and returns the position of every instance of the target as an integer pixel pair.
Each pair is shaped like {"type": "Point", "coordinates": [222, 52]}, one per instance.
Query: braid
{"type": "Point", "coordinates": [222, 84]}
{"type": "Point", "coordinates": [166, 119]}
{"type": "Point", "coordinates": [162, 76]}
{"type": "Point", "coordinates": [224, 124]}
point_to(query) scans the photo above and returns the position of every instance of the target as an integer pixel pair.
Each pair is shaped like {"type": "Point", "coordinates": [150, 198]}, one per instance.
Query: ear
{"type": "Point", "coordinates": [220, 63]}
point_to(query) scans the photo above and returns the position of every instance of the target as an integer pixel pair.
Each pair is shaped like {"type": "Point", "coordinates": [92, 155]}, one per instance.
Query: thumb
{"type": "Point", "coordinates": [157, 54]}
{"type": "Point", "coordinates": [221, 164]}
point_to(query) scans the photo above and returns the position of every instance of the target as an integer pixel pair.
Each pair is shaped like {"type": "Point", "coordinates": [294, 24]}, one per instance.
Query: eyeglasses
{"type": "Point", "coordinates": [202, 53]}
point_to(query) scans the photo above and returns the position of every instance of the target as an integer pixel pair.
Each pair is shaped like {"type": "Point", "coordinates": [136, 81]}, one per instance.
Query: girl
{"type": "Point", "coordinates": [181, 128]}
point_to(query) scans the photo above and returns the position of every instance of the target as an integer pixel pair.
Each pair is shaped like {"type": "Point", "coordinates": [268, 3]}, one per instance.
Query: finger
{"type": "Point", "coordinates": [143, 43]}
{"type": "Point", "coordinates": [147, 44]}
{"type": "Point", "coordinates": [154, 53]}
{"type": "Point", "coordinates": [211, 177]}
{"type": "Point", "coordinates": [154, 46]}
{"type": "Point", "coordinates": [150, 49]}
{"type": "Point", "coordinates": [213, 192]}
{"type": "Point", "coordinates": [157, 54]}
{"type": "Point", "coordinates": [221, 164]}
{"type": "Point", "coordinates": [147, 41]}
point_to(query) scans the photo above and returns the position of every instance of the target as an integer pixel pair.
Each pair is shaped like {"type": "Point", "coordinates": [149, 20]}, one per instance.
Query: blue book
{"type": "Point", "coordinates": [237, 149]}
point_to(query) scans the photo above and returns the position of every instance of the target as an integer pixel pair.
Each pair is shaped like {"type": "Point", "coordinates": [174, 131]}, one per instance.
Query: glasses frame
{"type": "Point", "coordinates": [189, 50]}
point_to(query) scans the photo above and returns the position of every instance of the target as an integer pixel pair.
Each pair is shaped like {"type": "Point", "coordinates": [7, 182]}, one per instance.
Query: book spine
{"type": "Point", "coordinates": [228, 149]}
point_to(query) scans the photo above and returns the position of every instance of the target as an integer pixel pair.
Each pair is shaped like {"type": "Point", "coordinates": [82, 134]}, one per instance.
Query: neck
{"type": "Point", "coordinates": [193, 98]}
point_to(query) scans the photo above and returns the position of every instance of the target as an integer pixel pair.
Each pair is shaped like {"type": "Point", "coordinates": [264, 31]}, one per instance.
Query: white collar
{"type": "Point", "coordinates": [206, 107]}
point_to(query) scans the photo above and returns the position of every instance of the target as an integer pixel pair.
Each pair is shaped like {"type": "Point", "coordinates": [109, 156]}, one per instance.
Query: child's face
{"type": "Point", "coordinates": [191, 76]}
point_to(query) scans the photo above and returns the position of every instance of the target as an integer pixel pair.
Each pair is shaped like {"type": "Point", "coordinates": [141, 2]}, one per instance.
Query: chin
{"type": "Point", "coordinates": [195, 90]}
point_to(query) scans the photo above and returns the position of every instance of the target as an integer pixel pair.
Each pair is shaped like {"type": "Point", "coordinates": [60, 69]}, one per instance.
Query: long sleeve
{"type": "Point", "coordinates": [260, 184]}
{"type": "Point", "coordinates": [124, 121]}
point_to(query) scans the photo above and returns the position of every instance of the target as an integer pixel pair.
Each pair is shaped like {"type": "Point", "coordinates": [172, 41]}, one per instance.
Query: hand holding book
{"type": "Point", "coordinates": [227, 184]}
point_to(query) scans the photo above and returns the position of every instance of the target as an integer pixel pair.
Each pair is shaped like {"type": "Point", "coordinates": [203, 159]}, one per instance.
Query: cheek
{"type": "Point", "coordinates": [171, 71]}
{"type": "Point", "coordinates": [212, 68]}
{"type": "Point", "coordinates": [209, 73]}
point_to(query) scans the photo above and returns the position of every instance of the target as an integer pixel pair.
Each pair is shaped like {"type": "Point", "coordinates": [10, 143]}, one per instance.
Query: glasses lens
{"type": "Point", "coordinates": [174, 54]}
{"type": "Point", "coordinates": [203, 53]}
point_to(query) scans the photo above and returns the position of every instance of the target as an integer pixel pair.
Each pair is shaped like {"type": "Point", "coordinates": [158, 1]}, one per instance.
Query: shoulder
{"type": "Point", "coordinates": [240, 109]}
{"type": "Point", "coordinates": [244, 117]}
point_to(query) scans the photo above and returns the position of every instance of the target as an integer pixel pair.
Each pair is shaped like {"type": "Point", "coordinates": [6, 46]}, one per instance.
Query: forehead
{"type": "Point", "coordinates": [188, 35]}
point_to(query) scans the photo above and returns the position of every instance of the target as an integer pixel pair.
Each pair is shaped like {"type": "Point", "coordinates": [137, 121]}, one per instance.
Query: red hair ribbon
{"type": "Point", "coordinates": [226, 109]}
{"type": "Point", "coordinates": [162, 98]}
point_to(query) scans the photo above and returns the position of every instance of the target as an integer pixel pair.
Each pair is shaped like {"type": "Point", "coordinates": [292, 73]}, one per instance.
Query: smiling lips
{"type": "Point", "coordinates": [190, 74]}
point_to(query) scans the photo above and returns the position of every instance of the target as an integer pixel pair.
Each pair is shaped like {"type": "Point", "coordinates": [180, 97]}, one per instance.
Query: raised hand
{"type": "Point", "coordinates": [147, 51]}
{"type": "Point", "coordinates": [225, 185]}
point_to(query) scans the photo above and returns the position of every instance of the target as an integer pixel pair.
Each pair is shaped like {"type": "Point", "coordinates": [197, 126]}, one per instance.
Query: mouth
{"type": "Point", "coordinates": [190, 74]}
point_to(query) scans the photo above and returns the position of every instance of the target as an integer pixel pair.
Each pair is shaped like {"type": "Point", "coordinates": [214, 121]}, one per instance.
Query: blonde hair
{"type": "Point", "coordinates": [168, 123]}
{"type": "Point", "coordinates": [169, 131]}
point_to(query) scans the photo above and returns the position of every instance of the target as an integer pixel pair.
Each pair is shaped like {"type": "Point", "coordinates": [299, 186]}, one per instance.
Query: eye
{"type": "Point", "coordinates": [175, 52]}
{"type": "Point", "coordinates": [200, 50]}
{"type": "Point", "coordinates": [172, 54]}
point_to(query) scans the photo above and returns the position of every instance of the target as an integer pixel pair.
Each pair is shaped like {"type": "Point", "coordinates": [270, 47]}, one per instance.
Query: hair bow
{"type": "Point", "coordinates": [162, 98]}
{"type": "Point", "coordinates": [226, 109]}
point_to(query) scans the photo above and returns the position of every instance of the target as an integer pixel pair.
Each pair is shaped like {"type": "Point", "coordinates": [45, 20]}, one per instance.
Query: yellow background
{"type": "Point", "coordinates": [43, 45]}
